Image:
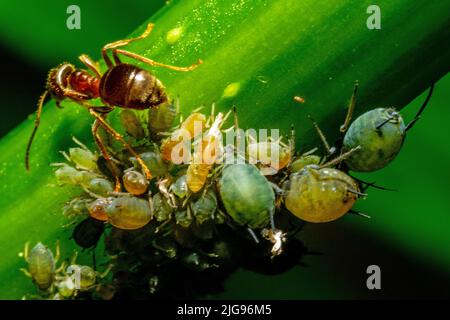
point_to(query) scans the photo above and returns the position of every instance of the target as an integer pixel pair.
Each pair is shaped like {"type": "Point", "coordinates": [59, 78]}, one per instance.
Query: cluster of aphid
{"type": "Point", "coordinates": [169, 224]}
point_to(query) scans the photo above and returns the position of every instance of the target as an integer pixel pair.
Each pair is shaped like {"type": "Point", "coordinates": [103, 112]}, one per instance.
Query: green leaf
{"type": "Point", "coordinates": [257, 55]}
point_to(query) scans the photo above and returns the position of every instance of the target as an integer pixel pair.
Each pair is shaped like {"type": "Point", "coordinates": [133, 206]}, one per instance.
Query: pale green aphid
{"type": "Point", "coordinates": [179, 187]}
{"type": "Point", "coordinates": [247, 196]}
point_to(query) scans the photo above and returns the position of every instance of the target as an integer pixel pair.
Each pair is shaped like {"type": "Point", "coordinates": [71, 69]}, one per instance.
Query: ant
{"type": "Point", "coordinates": [123, 85]}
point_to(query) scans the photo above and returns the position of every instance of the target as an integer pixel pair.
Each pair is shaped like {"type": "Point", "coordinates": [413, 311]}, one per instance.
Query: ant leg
{"type": "Point", "coordinates": [101, 121]}
{"type": "Point", "coordinates": [351, 107]}
{"type": "Point", "coordinates": [88, 62]}
{"type": "Point", "coordinates": [95, 126]}
{"type": "Point", "coordinates": [424, 104]}
{"type": "Point", "coordinates": [154, 63]}
{"type": "Point", "coordinates": [329, 149]}
{"type": "Point", "coordinates": [121, 43]}
{"type": "Point", "coordinates": [36, 125]}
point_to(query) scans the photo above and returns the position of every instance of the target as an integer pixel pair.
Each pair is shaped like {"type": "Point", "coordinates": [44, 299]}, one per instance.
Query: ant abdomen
{"type": "Point", "coordinates": [128, 86]}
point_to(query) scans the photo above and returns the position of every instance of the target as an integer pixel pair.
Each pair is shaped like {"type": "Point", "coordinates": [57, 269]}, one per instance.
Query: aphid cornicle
{"type": "Point", "coordinates": [379, 132]}
{"type": "Point", "coordinates": [320, 194]}
{"type": "Point", "coordinates": [123, 85]}
{"type": "Point", "coordinates": [247, 195]}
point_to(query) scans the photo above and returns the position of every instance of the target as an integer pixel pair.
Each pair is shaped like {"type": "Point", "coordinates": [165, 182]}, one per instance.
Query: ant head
{"type": "Point", "coordinates": [58, 82]}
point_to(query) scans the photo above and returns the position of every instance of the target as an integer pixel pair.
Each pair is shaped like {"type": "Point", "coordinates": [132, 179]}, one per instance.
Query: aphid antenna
{"type": "Point", "coordinates": [310, 152]}
{"type": "Point", "coordinates": [422, 108]}
{"type": "Point", "coordinates": [59, 164]}
{"type": "Point", "coordinates": [253, 234]}
{"type": "Point", "coordinates": [66, 156]}
{"type": "Point", "coordinates": [371, 184]}
{"type": "Point", "coordinates": [350, 109]}
{"type": "Point", "coordinates": [78, 142]}
{"type": "Point", "coordinates": [322, 136]}
{"type": "Point", "coordinates": [360, 214]}
{"type": "Point", "coordinates": [341, 158]}
{"type": "Point", "coordinates": [92, 194]}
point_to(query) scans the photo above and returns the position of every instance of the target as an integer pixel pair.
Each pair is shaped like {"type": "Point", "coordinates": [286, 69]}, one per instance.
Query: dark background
{"type": "Point", "coordinates": [408, 235]}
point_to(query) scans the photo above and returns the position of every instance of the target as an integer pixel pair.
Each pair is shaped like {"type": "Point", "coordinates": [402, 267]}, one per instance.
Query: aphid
{"type": "Point", "coordinates": [247, 196]}
{"type": "Point", "coordinates": [97, 208]}
{"type": "Point", "coordinates": [183, 218]}
{"type": "Point", "coordinates": [123, 85]}
{"type": "Point", "coordinates": [100, 186]}
{"type": "Point", "coordinates": [66, 174]}
{"type": "Point", "coordinates": [129, 213]}
{"type": "Point", "coordinates": [270, 156]}
{"type": "Point", "coordinates": [88, 232]}
{"type": "Point", "coordinates": [154, 162]}
{"type": "Point", "coordinates": [76, 207]}
{"type": "Point", "coordinates": [83, 158]}
{"type": "Point", "coordinates": [135, 182]}
{"type": "Point", "coordinates": [173, 148]}
{"type": "Point", "coordinates": [320, 194]}
{"type": "Point", "coordinates": [161, 208]}
{"type": "Point", "coordinates": [160, 119]}
{"type": "Point", "coordinates": [304, 161]}
{"type": "Point", "coordinates": [132, 124]}
{"type": "Point", "coordinates": [41, 264]}
{"type": "Point", "coordinates": [204, 208]}
{"type": "Point", "coordinates": [206, 152]}
{"type": "Point", "coordinates": [179, 187]}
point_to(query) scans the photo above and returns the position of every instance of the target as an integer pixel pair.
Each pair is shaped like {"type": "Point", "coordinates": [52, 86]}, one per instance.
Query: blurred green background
{"type": "Point", "coordinates": [408, 235]}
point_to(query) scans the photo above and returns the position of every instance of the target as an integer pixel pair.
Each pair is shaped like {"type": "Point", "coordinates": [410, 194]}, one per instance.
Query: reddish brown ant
{"type": "Point", "coordinates": [122, 85]}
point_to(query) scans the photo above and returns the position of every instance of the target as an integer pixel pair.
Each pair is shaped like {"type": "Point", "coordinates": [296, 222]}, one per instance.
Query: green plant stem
{"type": "Point", "coordinates": [272, 51]}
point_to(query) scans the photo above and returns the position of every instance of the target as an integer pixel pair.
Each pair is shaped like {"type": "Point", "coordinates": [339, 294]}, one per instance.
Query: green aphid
{"type": "Point", "coordinates": [162, 210]}
{"type": "Point", "coordinates": [204, 208]}
{"type": "Point", "coordinates": [247, 196]}
{"type": "Point", "coordinates": [154, 162]}
{"type": "Point", "coordinates": [132, 124]}
{"type": "Point", "coordinates": [379, 133]}
{"type": "Point", "coordinates": [304, 161]}
{"type": "Point", "coordinates": [179, 187]}
{"type": "Point", "coordinates": [183, 218]}
{"type": "Point", "coordinates": [41, 265]}
{"type": "Point", "coordinates": [100, 186]}
{"type": "Point", "coordinates": [160, 119]}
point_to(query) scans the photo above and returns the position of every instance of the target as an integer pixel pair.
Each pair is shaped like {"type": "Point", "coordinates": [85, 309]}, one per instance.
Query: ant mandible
{"type": "Point", "coordinates": [122, 85]}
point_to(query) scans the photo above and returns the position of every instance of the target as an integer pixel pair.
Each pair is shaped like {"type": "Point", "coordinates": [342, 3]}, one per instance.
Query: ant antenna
{"type": "Point", "coordinates": [36, 125]}
{"type": "Point", "coordinates": [424, 104]}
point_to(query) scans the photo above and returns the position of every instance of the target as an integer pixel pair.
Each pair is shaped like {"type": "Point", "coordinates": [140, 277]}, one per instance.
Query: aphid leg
{"type": "Point", "coordinates": [61, 268]}
{"type": "Point", "coordinates": [73, 260]}
{"type": "Point", "coordinates": [339, 159]}
{"type": "Point", "coordinates": [253, 235]}
{"type": "Point", "coordinates": [424, 104]}
{"type": "Point", "coordinates": [329, 149]}
{"type": "Point", "coordinates": [351, 107]}
{"type": "Point", "coordinates": [88, 62]}
{"type": "Point", "coordinates": [154, 63]}
{"type": "Point", "coordinates": [36, 125]}
{"type": "Point", "coordinates": [57, 252]}
{"type": "Point", "coordinates": [26, 249]}
{"type": "Point", "coordinates": [106, 272]}
{"type": "Point", "coordinates": [357, 193]}
{"type": "Point", "coordinates": [117, 136]}
{"type": "Point", "coordinates": [121, 43]}
{"type": "Point", "coordinates": [26, 272]}
{"type": "Point", "coordinates": [360, 214]}
{"type": "Point", "coordinates": [78, 142]}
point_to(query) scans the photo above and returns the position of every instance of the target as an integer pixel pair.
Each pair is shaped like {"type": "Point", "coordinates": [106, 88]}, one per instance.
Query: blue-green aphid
{"type": "Point", "coordinates": [379, 133]}
{"type": "Point", "coordinates": [247, 196]}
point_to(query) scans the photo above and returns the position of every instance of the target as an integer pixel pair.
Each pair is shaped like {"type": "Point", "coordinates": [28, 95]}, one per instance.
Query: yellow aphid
{"type": "Point", "coordinates": [135, 182]}
{"type": "Point", "coordinates": [269, 156]}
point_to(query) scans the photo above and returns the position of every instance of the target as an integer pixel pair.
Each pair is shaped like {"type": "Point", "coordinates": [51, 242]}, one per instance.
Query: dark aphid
{"type": "Point", "coordinates": [196, 261]}
{"type": "Point", "coordinates": [88, 232]}
{"type": "Point", "coordinates": [247, 196]}
{"type": "Point", "coordinates": [380, 133]}
{"type": "Point", "coordinates": [123, 85]}
{"type": "Point", "coordinates": [41, 265]}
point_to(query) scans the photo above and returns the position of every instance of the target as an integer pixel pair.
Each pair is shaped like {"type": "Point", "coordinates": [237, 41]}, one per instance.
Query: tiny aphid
{"type": "Point", "coordinates": [76, 207]}
{"type": "Point", "coordinates": [88, 232]}
{"type": "Point", "coordinates": [162, 210]}
{"type": "Point", "coordinates": [204, 207]}
{"type": "Point", "coordinates": [129, 213]}
{"type": "Point", "coordinates": [100, 186]}
{"type": "Point", "coordinates": [132, 124]}
{"type": "Point", "coordinates": [188, 130]}
{"type": "Point", "coordinates": [270, 156]}
{"type": "Point", "coordinates": [380, 133]}
{"type": "Point", "coordinates": [247, 196]}
{"type": "Point", "coordinates": [135, 182]}
{"type": "Point", "coordinates": [320, 194]}
{"type": "Point", "coordinates": [97, 208]}
{"type": "Point", "coordinates": [179, 187]}
{"type": "Point", "coordinates": [41, 265]}
{"type": "Point", "coordinates": [83, 158]}
{"type": "Point", "coordinates": [207, 151]}
{"type": "Point", "coordinates": [123, 85]}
